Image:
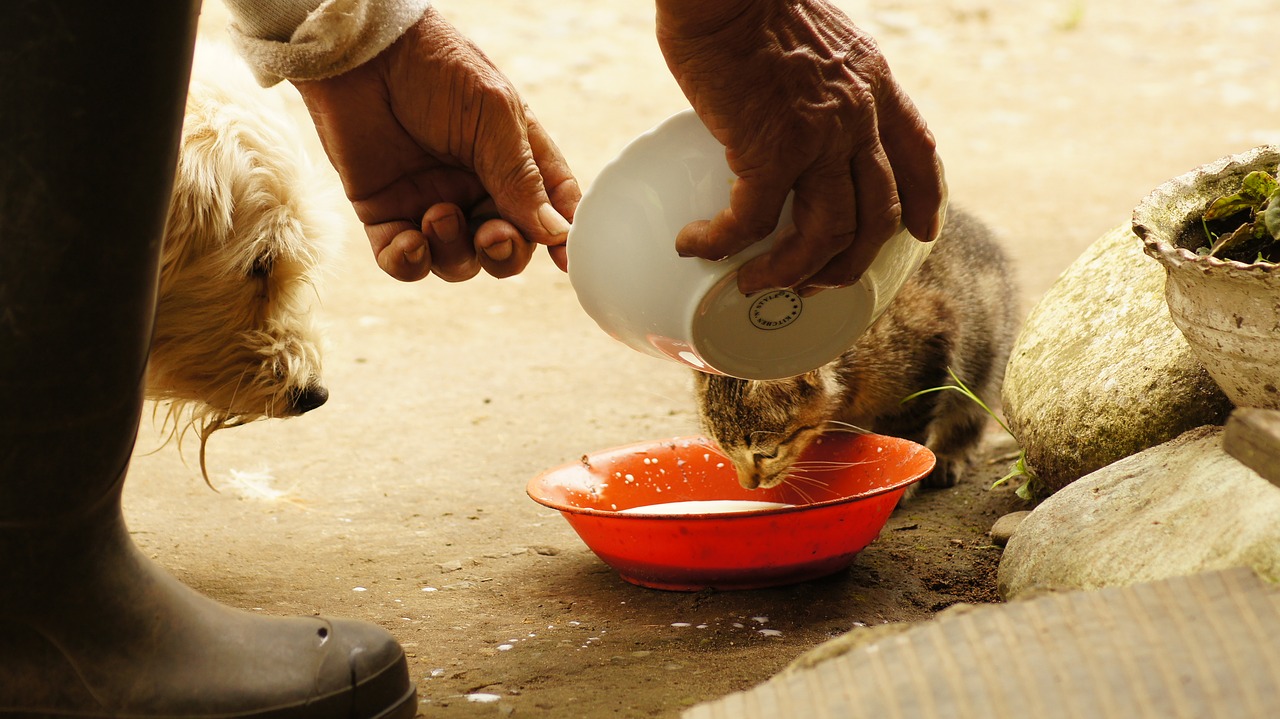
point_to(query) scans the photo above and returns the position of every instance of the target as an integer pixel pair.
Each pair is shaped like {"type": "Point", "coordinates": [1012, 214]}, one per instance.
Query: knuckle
{"type": "Point", "coordinates": [889, 216]}
{"type": "Point", "coordinates": [755, 225]}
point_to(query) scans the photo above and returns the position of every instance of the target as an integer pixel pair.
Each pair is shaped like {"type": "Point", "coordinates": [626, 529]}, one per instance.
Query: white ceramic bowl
{"type": "Point", "coordinates": [626, 273]}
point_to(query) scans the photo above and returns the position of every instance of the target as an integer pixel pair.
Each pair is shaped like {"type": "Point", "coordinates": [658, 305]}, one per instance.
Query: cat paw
{"type": "Point", "coordinates": [946, 473]}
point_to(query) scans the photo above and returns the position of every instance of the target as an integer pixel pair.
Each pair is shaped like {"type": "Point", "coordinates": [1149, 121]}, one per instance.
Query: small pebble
{"type": "Point", "coordinates": [1005, 526]}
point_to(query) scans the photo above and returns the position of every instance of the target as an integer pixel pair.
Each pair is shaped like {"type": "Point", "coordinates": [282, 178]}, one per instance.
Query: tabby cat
{"type": "Point", "coordinates": [957, 312]}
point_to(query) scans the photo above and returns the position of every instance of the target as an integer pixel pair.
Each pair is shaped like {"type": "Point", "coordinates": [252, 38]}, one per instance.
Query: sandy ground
{"type": "Point", "coordinates": [403, 498]}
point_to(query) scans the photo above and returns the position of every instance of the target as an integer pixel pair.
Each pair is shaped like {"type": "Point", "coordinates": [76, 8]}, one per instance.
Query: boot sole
{"type": "Point", "coordinates": [405, 708]}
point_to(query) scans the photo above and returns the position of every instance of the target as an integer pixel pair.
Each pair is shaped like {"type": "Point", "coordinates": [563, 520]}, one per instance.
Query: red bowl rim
{"type": "Point", "coordinates": [587, 511]}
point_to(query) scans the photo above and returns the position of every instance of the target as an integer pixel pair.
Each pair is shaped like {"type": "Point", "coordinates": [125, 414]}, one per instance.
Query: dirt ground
{"type": "Point", "coordinates": [402, 500]}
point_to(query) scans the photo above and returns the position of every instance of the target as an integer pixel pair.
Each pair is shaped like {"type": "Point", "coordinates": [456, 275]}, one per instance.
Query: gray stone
{"type": "Point", "coordinates": [1005, 526]}
{"type": "Point", "coordinates": [1181, 508]}
{"type": "Point", "coordinates": [1100, 372]}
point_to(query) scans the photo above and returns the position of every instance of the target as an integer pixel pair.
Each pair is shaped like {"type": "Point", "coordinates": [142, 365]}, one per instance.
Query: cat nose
{"type": "Point", "coordinates": [749, 481]}
{"type": "Point", "coordinates": [308, 398]}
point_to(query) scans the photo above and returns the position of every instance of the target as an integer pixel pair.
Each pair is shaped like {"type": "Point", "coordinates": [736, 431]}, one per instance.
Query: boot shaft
{"type": "Point", "coordinates": [91, 100]}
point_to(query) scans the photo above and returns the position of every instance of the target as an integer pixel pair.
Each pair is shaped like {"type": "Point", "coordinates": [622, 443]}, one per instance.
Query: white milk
{"type": "Point", "coordinates": [708, 506]}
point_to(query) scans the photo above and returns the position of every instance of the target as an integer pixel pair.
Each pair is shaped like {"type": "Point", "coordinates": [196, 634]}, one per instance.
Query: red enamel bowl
{"type": "Point", "coordinates": [833, 519]}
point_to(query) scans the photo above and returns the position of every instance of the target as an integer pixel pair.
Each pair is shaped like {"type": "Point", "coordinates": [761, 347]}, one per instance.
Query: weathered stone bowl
{"type": "Point", "coordinates": [1229, 311]}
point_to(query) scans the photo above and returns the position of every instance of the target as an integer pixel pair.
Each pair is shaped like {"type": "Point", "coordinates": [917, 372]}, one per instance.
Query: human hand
{"type": "Point", "coordinates": [802, 100]}
{"type": "Point", "coordinates": [443, 162]}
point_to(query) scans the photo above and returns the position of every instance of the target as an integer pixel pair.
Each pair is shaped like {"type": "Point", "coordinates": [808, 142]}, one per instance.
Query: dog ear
{"type": "Point", "coordinates": [200, 206]}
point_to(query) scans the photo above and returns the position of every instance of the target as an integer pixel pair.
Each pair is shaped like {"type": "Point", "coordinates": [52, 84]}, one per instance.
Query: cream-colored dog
{"type": "Point", "coordinates": [246, 238]}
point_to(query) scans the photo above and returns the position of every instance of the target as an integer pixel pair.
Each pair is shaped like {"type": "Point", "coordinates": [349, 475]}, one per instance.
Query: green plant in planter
{"type": "Point", "coordinates": [1019, 468]}
{"type": "Point", "coordinates": [1245, 225]}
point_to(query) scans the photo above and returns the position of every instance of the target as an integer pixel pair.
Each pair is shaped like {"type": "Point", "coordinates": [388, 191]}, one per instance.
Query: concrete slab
{"type": "Point", "coordinates": [1198, 646]}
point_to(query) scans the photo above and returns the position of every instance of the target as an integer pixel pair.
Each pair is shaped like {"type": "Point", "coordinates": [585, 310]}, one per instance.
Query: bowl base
{"type": "Point", "coordinates": [736, 580]}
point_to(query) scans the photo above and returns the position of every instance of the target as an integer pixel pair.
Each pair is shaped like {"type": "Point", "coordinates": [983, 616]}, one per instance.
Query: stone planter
{"type": "Point", "coordinates": [1228, 311]}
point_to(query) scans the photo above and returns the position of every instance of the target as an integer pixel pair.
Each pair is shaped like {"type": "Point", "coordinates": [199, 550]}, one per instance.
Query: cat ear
{"type": "Point", "coordinates": [827, 380]}
{"type": "Point", "coordinates": [822, 381]}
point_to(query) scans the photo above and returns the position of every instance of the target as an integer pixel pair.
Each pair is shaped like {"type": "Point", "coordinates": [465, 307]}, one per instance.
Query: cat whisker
{"type": "Point", "coordinates": [832, 462]}
{"type": "Point", "coordinates": [808, 498]}
{"type": "Point", "coordinates": [803, 485]}
{"type": "Point", "coordinates": [839, 426]}
{"type": "Point", "coordinates": [810, 482]}
{"type": "Point", "coordinates": [828, 465]}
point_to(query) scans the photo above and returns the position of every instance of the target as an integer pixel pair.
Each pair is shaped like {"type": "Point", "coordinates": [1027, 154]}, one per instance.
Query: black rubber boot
{"type": "Point", "coordinates": [91, 628]}
{"type": "Point", "coordinates": [91, 98]}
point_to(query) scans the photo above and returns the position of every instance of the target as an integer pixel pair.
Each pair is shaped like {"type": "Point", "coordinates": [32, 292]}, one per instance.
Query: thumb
{"type": "Point", "coordinates": [755, 205]}
{"type": "Point", "coordinates": [512, 177]}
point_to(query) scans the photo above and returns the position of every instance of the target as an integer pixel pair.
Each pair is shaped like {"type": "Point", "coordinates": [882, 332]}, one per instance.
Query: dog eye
{"type": "Point", "coordinates": [262, 266]}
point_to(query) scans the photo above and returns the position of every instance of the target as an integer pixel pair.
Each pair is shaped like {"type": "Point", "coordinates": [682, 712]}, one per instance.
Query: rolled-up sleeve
{"type": "Point", "coordinates": [316, 39]}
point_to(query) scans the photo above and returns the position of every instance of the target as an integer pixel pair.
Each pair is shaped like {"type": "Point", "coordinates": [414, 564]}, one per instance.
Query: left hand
{"type": "Point", "coordinates": [445, 165]}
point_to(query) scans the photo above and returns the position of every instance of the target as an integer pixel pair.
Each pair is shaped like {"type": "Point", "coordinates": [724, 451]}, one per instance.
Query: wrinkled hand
{"type": "Point", "coordinates": [444, 164]}
{"type": "Point", "coordinates": [803, 100]}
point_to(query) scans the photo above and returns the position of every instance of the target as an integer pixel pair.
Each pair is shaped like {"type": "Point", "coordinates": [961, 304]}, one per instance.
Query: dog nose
{"type": "Point", "coordinates": [308, 398]}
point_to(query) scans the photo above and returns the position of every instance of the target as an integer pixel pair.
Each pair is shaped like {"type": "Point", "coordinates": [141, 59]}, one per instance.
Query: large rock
{"type": "Point", "coordinates": [1100, 372]}
{"type": "Point", "coordinates": [1183, 507]}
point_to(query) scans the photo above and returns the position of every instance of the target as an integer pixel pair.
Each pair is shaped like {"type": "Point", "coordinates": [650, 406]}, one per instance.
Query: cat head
{"type": "Point", "coordinates": [763, 426]}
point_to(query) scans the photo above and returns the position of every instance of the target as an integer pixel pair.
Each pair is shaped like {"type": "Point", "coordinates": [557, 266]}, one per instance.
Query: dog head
{"type": "Point", "coordinates": [244, 244]}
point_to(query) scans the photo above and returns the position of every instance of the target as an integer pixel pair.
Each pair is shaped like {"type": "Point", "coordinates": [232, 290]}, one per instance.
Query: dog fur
{"type": "Point", "coordinates": [246, 240]}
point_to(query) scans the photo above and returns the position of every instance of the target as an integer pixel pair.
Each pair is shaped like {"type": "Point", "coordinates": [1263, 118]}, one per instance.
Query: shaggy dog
{"type": "Point", "coordinates": [245, 240]}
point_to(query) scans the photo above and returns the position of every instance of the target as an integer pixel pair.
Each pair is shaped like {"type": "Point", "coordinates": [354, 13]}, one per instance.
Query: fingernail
{"type": "Point", "coordinates": [446, 228]}
{"type": "Point", "coordinates": [415, 255]}
{"type": "Point", "coordinates": [560, 256]}
{"type": "Point", "coordinates": [808, 291]}
{"type": "Point", "coordinates": [552, 222]}
{"type": "Point", "coordinates": [499, 251]}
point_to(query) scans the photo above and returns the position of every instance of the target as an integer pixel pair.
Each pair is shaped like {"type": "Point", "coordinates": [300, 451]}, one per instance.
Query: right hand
{"type": "Point", "coordinates": [802, 100]}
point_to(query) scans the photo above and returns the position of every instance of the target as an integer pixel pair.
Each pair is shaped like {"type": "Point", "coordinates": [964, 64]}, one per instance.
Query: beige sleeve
{"type": "Point", "coordinates": [315, 39]}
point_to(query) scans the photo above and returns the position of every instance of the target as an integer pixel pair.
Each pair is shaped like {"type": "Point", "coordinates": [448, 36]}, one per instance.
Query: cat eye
{"type": "Point", "coordinates": [792, 437]}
